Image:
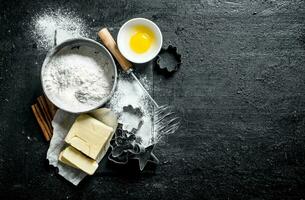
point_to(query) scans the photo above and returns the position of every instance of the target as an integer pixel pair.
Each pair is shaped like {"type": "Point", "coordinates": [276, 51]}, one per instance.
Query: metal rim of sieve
{"type": "Point", "coordinates": [73, 43]}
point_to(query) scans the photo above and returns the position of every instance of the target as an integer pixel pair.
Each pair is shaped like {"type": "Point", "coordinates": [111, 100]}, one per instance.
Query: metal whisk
{"type": "Point", "coordinates": [165, 120]}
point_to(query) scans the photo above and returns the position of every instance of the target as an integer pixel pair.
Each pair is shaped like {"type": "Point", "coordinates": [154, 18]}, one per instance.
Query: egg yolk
{"type": "Point", "coordinates": [141, 39]}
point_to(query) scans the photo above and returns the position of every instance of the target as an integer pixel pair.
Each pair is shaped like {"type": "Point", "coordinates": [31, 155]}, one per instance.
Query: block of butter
{"type": "Point", "coordinates": [89, 135]}
{"type": "Point", "coordinates": [109, 118]}
{"type": "Point", "coordinates": [76, 159]}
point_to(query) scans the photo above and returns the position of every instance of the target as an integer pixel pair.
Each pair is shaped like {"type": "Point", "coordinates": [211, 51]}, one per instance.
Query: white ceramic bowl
{"type": "Point", "coordinates": [125, 33]}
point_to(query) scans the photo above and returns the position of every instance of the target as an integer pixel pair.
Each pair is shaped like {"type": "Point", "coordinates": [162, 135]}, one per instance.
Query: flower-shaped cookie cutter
{"type": "Point", "coordinates": [169, 59]}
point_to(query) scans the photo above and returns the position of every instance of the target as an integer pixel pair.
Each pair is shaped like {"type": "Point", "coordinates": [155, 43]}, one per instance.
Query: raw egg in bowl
{"type": "Point", "coordinates": [139, 40]}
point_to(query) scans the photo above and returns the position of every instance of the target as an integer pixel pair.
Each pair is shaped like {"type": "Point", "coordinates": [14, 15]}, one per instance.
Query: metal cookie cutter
{"type": "Point", "coordinates": [124, 145]}
{"type": "Point", "coordinates": [127, 145]}
{"type": "Point", "coordinates": [169, 59]}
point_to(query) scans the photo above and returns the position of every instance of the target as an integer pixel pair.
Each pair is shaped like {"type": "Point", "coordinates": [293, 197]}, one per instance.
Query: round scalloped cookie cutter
{"type": "Point", "coordinates": [169, 59]}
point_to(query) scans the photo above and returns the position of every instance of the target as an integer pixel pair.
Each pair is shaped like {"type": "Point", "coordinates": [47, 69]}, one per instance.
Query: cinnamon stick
{"type": "Point", "coordinates": [49, 129]}
{"type": "Point", "coordinates": [45, 129]}
{"type": "Point", "coordinates": [52, 108]}
{"type": "Point", "coordinates": [45, 111]}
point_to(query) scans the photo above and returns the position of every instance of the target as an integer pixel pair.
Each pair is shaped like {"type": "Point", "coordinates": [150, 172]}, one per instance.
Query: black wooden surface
{"type": "Point", "coordinates": [240, 92]}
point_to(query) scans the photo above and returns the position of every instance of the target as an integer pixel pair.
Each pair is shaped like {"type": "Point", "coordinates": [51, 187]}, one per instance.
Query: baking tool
{"type": "Point", "coordinates": [139, 40]}
{"type": "Point", "coordinates": [134, 115]}
{"type": "Point", "coordinates": [76, 43]}
{"type": "Point", "coordinates": [165, 120]}
{"type": "Point", "coordinates": [169, 59]}
{"type": "Point", "coordinates": [145, 157]}
{"type": "Point", "coordinates": [125, 147]}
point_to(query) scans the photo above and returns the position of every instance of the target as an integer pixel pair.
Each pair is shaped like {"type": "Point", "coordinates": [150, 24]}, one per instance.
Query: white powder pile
{"type": "Point", "coordinates": [66, 24]}
{"type": "Point", "coordinates": [128, 92]}
{"type": "Point", "coordinates": [78, 79]}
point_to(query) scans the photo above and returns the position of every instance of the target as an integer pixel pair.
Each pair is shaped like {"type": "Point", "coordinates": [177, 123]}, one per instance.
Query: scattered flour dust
{"type": "Point", "coordinates": [78, 79]}
{"type": "Point", "coordinates": [66, 24]}
{"type": "Point", "coordinates": [128, 92]}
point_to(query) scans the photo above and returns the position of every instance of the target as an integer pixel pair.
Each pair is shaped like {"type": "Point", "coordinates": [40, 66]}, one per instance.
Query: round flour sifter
{"type": "Point", "coordinates": [165, 120]}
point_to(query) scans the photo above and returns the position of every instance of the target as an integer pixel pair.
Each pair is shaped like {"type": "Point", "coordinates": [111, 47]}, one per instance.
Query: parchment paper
{"type": "Point", "coordinates": [62, 123]}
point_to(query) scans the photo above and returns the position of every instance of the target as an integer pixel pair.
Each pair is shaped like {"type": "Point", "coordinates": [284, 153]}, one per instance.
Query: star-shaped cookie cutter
{"type": "Point", "coordinates": [145, 157]}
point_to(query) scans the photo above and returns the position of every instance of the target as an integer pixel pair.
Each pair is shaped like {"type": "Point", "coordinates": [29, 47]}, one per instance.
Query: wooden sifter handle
{"type": "Point", "coordinates": [109, 42]}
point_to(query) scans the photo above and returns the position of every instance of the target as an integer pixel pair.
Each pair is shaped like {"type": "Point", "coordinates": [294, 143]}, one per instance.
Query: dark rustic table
{"type": "Point", "coordinates": [240, 92]}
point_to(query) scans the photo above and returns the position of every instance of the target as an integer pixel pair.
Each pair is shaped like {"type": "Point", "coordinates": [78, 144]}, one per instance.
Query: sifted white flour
{"type": "Point", "coordinates": [78, 79]}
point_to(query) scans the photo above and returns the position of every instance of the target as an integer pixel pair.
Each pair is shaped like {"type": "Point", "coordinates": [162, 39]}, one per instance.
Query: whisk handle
{"type": "Point", "coordinates": [109, 42]}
